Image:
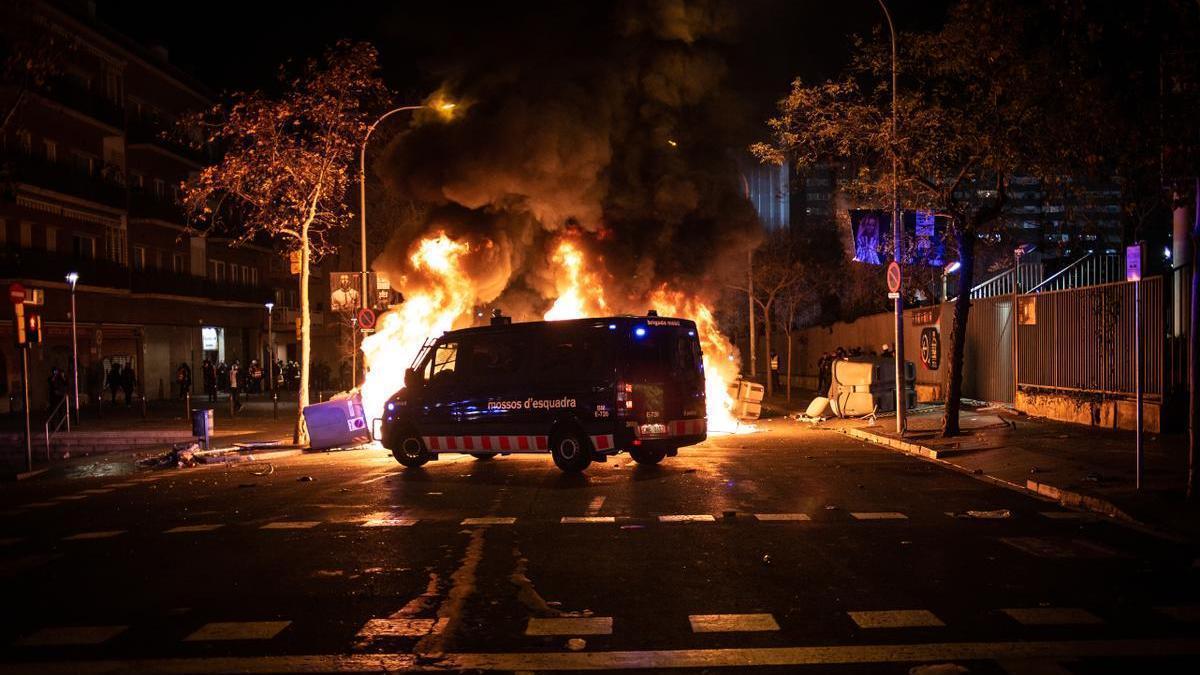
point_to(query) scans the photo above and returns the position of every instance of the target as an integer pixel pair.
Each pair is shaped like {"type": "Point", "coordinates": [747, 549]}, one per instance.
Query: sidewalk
{"type": "Point", "coordinates": [1079, 466]}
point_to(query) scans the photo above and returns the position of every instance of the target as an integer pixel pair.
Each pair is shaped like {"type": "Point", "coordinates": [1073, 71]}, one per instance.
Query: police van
{"type": "Point", "coordinates": [580, 390]}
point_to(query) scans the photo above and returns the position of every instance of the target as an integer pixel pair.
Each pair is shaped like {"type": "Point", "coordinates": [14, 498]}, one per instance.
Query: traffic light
{"type": "Point", "coordinates": [33, 328]}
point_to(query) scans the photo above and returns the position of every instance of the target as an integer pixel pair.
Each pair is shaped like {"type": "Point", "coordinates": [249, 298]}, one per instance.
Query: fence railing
{"type": "Point", "coordinates": [60, 414]}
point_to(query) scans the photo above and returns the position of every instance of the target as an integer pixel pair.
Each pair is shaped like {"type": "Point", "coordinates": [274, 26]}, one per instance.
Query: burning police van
{"type": "Point", "coordinates": [579, 390]}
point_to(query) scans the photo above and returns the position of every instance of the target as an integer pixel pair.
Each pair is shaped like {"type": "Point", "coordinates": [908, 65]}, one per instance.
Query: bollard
{"type": "Point", "coordinates": [187, 403]}
{"type": "Point", "coordinates": [232, 412]}
{"type": "Point", "coordinates": [143, 400]}
{"type": "Point", "coordinates": [274, 404]}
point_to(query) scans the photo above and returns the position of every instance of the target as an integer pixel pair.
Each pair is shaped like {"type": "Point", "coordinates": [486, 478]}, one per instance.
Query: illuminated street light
{"type": "Point", "coordinates": [72, 279]}
{"type": "Point", "coordinates": [946, 272]}
{"type": "Point", "coordinates": [270, 345]}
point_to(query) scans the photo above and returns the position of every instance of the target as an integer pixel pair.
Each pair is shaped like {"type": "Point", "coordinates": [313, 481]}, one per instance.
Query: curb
{"type": "Point", "coordinates": [1068, 498]}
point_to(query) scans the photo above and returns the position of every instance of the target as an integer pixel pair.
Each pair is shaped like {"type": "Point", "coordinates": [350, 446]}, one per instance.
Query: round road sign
{"type": "Point", "coordinates": [893, 277]}
{"type": "Point", "coordinates": [366, 318]}
{"type": "Point", "coordinates": [16, 293]}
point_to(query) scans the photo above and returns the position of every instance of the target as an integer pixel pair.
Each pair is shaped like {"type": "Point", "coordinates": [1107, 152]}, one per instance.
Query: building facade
{"type": "Point", "coordinates": [91, 183]}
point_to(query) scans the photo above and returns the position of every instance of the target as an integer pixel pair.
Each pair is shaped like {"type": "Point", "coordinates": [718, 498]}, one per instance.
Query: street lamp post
{"type": "Point", "coordinates": [271, 357]}
{"type": "Point", "coordinates": [362, 190]}
{"type": "Point", "coordinates": [72, 279]}
{"type": "Point", "coordinates": [896, 232]}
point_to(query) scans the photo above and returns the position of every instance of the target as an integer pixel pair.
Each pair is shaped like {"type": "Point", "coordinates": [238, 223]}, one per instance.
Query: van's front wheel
{"type": "Point", "coordinates": [411, 451]}
{"type": "Point", "coordinates": [570, 451]}
{"type": "Point", "coordinates": [647, 456]}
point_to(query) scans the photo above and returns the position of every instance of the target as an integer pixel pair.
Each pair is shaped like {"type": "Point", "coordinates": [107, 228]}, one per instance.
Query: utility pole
{"type": "Point", "coordinates": [73, 278]}
{"type": "Point", "coordinates": [897, 230]}
{"type": "Point", "coordinates": [750, 308]}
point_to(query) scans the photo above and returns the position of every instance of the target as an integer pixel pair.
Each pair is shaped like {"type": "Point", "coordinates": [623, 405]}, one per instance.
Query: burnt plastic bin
{"type": "Point", "coordinates": [202, 424]}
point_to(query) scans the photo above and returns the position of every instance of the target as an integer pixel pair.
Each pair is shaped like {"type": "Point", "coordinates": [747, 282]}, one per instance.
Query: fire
{"type": "Point", "coordinates": [572, 283]}
{"type": "Point", "coordinates": [438, 295]}
{"type": "Point", "coordinates": [721, 362]}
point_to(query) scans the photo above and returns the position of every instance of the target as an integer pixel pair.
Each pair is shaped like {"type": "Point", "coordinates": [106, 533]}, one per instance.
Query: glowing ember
{"type": "Point", "coordinates": [436, 295]}
{"type": "Point", "coordinates": [579, 293]}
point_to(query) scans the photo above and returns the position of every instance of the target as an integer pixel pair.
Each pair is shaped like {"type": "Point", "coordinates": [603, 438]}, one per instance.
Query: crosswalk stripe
{"type": "Point", "coordinates": [102, 534]}
{"type": "Point", "coordinates": [732, 623]}
{"type": "Point", "coordinates": [1185, 613]}
{"type": "Point", "coordinates": [60, 636]}
{"type": "Point", "coordinates": [1052, 616]}
{"type": "Point", "coordinates": [900, 618]}
{"type": "Point", "coordinates": [389, 522]}
{"type": "Point", "coordinates": [378, 628]}
{"type": "Point", "coordinates": [587, 519]}
{"type": "Point", "coordinates": [121, 485]}
{"type": "Point", "coordinates": [184, 529]}
{"type": "Point", "coordinates": [489, 520]}
{"type": "Point", "coordinates": [589, 625]}
{"type": "Point", "coordinates": [96, 491]}
{"type": "Point", "coordinates": [878, 515]}
{"type": "Point", "coordinates": [774, 517]}
{"type": "Point", "coordinates": [1056, 547]}
{"type": "Point", "coordinates": [39, 505]}
{"type": "Point", "coordinates": [69, 498]}
{"type": "Point", "coordinates": [290, 525]}
{"type": "Point", "coordinates": [696, 518]}
{"type": "Point", "coordinates": [1068, 515]}
{"type": "Point", "coordinates": [237, 630]}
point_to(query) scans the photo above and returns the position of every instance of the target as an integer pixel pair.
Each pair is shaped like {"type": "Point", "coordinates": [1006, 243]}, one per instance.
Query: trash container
{"type": "Point", "coordinates": [202, 424]}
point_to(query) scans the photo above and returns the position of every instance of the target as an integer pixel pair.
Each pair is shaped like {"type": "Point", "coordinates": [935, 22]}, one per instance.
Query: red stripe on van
{"type": "Point", "coordinates": [542, 442]}
{"type": "Point", "coordinates": [523, 442]}
{"type": "Point", "coordinates": [487, 442]}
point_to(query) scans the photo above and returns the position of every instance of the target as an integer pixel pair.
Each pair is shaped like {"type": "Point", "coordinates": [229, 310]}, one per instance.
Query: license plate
{"type": "Point", "coordinates": [653, 429]}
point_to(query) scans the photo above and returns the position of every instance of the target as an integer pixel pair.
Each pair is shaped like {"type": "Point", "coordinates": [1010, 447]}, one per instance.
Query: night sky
{"type": "Point", "coordinates": [234, 44]}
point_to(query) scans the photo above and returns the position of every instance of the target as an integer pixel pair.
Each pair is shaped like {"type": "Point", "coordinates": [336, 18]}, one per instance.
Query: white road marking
{"type": "Point", "coordinates": [121, 485]}
{"type": "Point", "coordinates": [566, 520]}
{"type": "Point", "coordinates": [183, 529]}
{"type": "Point", "coordinates": [775, 517]}
{"type": "Point", "coordinates": [389, 522]}
{"type": "Point", "coordinates": [489, 520]}
{"type": "Point", "coordinates": [59, 636]}
{"type": "Point", "coordinates": [1054, 547]}
{"type": "Point", "coordinates": [1052, 616]}
{"type": "Point", "coordinates": [1068, 515]}
{"type": "Point", "coordinates": [378, 478]}
{"type": "Point", "coordinates": [732, 623]}
{"type": "Point", "coordinates": [101, 534]}
{"type": "Point", "coordinates": [39, 505]}
{"type": "Point", "coordinates": [900, 618]}
{"type": "Point", "coordinates": [377, 628]}
{"type": "Point", "coordinates": [698, 518]}
{"type": "Point", "coordinates": [1185, 613]}
{"type": "Point", "coordinates": [595, 505]}
{"type": "Point", "coordinates": [237, 630]}
{"type": "Point", "coordinates": [878, 515]}
{"type": "Point", "coordinates": [96, 491]}
{"type": "Point", "coordinates": [291, 525]}
{"type": "Point", "coordinates": [588, 625]}
{"type": "Point", "coordinates": [69, 498]}
{"type": "Point", "coordinates": [628, 660]}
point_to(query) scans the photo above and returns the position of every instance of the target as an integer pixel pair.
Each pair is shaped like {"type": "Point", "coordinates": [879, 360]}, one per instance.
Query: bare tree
{"type": "Point", "coordinates": [286, 166]}
{"type": "Point", "coordinates": [775, 270]}
{"type": "Point", "coordinates": [31, 55]}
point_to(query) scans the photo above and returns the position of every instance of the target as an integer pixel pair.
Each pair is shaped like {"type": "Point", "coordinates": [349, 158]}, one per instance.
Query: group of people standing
{"type": "Point", "coordinates": [118, 379]}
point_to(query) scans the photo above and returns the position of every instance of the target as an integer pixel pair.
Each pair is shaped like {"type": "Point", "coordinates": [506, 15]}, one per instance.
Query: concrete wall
{"type": "Point", "coordinates": [1110, 413]}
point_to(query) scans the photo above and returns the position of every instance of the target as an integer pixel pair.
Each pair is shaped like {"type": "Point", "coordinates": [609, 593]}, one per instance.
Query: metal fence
{"type": "Point", "coordinates": [1083, 339]}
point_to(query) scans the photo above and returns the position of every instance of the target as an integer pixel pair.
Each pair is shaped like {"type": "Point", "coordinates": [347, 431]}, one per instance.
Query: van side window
{"type": "Point", "coordinates": [685, 355]}
{"type": "Point", "coordinates": [442, 366]}
{"type": "Point", "coordinates": [495, 359]}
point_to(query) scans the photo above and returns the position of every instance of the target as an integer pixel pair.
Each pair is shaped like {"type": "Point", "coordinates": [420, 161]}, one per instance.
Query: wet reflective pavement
{"type": "Point", "coordinates": [787, 550]}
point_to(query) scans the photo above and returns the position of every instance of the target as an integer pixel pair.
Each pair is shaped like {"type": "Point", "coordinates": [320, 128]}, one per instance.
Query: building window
{"type": "Point", "coordinates": [51, 238]}
{"type": "Point", "coordinates": [177, 263]}
{"type": "Point", "coordinates": [25, 141]}
{"type": "Point", "coordinates": [83, 246]}
{"type": "Point", "coordinates": [139, 257]}
{"type": "Point", "coordinates": [51, 151]}
{"type": "Point", "coordinates": [115, 244]}
{"type": "Point", "coordinates": [137, 180]}
{"type": "Point", "coordinates": [26, 234]}
{"type": "Point", "coordinates": [253, 276]}
{"type": "Point", "coordinates": [216, 270]}
{"type": "Point", "coordinates": [3, 231]}
{"type": "Point", "coordinates": [160, 188]}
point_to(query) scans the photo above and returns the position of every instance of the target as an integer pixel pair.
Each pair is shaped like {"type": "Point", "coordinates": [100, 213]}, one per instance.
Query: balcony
{"type": "Point", "coordinates": [145, 131]}
{"type": "Point", "coordinates": [84, 101]}
{"type": "Point", "coordinates": [146, 205]}
{"type": "Point", "coordinates": [172, 283]}
{"type": "Point", "coordinates": [103, 187]}
{"type": "Point", "coordinates": [49, 266]}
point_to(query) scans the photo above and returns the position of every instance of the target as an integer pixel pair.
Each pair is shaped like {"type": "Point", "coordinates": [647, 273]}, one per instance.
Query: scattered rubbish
{"type": "Point", "coordinates": [633, 527]}
{"type": "Point", "coordinates": [1063, 436]}
{"type": "Point", "coordinates": [978, 472]}
{"type": "Point", "coordinates": [247, 485]}
{"type": "Point", "coordinates": [830, 507]}
{"type": "Point", "coordinates": [996, 514]}
{"type": "Point", "coordinates": [554, 603]}
{"type": "Point", "coordinates": [766, 559]}
{"type": "Point", "coordinates": [808, 457]}
{"type": "Point", "coordinates": [344, 490]}
{"type": "Point", "coordinates": [1034, 469]}
{"type": "Point", "coordinates": [305, 479]}
{"type": "Point", "coordinates": [265, 470]}
{"type": "Point", "coordinates": [328, 573]}
{"type": "Point", "coordinates": [576, 644]}
{"type": "Point", "coordinates": [1092, 478]}
{"type": "Point", "coordinates": [905, 542]}
{"type": "Point", "coordinates": [860, 486]}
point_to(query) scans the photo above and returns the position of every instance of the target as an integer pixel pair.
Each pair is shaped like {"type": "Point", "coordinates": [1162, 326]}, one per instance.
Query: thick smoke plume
{"type": "Point", "coordinates": [610, 131]}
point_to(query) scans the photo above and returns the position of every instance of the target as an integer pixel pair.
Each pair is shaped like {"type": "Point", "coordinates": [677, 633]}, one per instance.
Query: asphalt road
{"type": "Point", "coordinates": [786, 550]}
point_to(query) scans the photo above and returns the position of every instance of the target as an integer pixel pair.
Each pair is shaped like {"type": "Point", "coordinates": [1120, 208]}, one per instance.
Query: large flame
{"type": "Point", "coordinates": [580, 293]}
{"type": "Point", "coordinates": [436, 294]}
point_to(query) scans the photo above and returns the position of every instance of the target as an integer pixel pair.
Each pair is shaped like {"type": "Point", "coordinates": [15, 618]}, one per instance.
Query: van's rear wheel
{"type": "Point", "coordinates": [411, 450]}
{"type": "Point", "coordinates": [647, 456]}
{"type": "Point", "coordinates": [570, 451]}
{"type": "Point", "coordinates": [483, 456]}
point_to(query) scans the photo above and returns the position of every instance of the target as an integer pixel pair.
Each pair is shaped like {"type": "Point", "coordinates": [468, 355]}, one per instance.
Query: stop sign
{"type": "Point", "coordinates": [16, 293]}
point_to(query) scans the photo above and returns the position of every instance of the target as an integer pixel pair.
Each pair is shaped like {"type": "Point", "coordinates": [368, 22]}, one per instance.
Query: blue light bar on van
{"type": "Point", "coordinates": [612, 326]}
{"type": "Point", "coordinates": [692, 333]}
{"type": "Point", "coordinates": [640, 331]}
